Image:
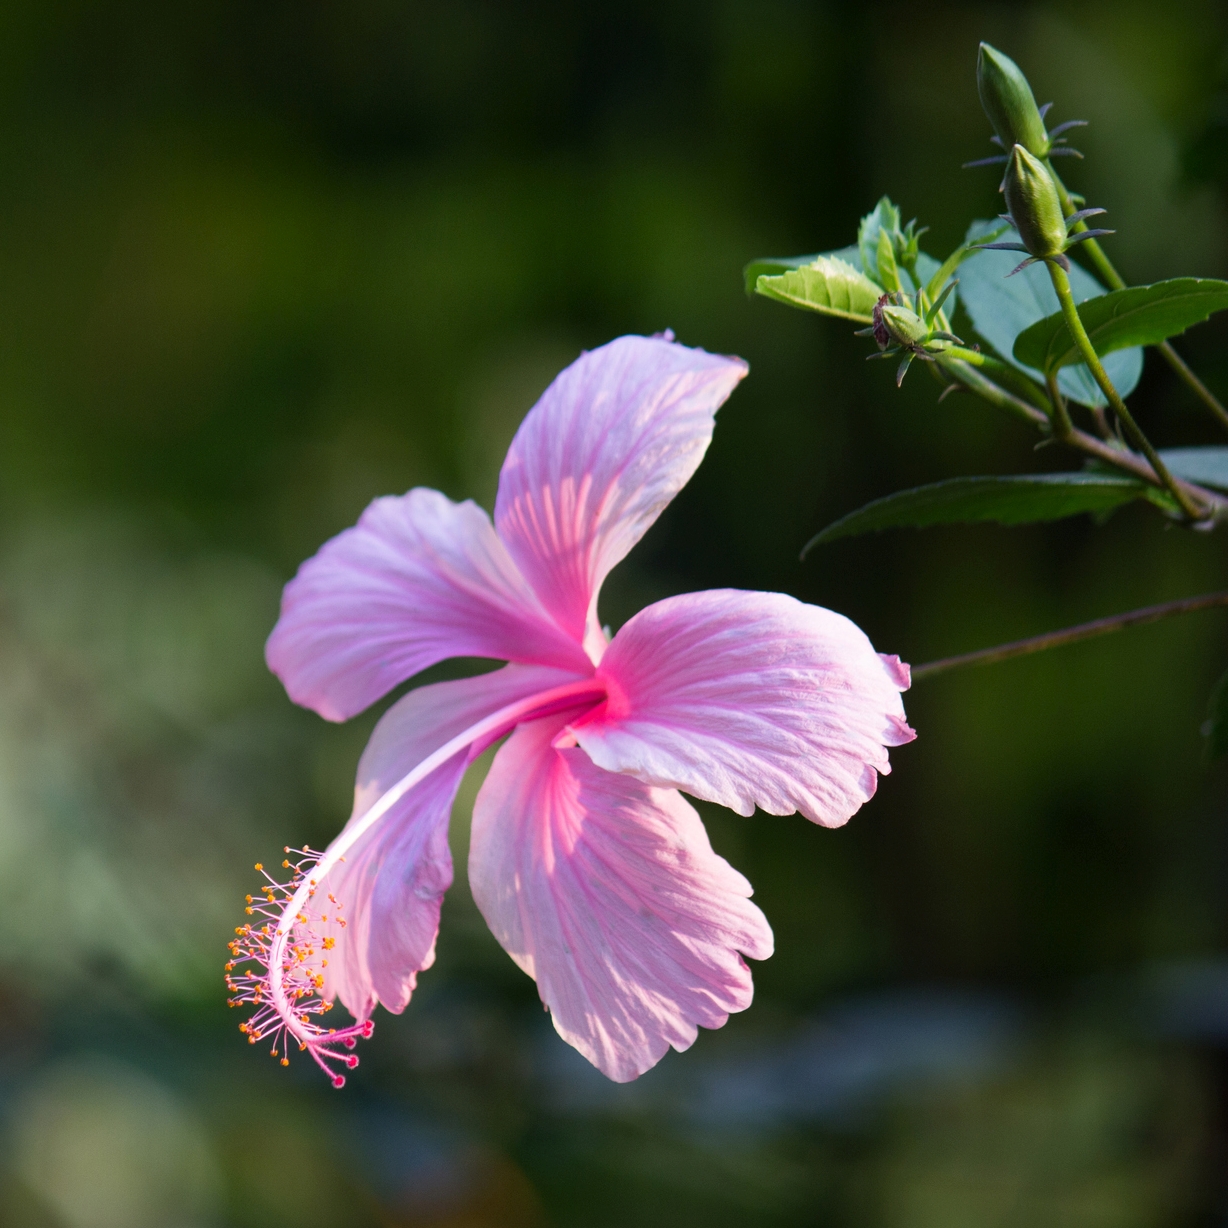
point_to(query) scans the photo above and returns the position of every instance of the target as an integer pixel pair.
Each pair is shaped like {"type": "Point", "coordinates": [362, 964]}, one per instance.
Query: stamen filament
{"type": "Point", "coordinates": [285, 1009]}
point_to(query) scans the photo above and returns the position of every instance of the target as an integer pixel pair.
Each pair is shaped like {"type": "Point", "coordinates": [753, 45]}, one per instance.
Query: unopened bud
{"type": "Point", "coordinates": [1009, 103]}
{"type": "Point", "coordinates": [1033, 202]}
{"type": "Point", "coordinates": [904, 327]}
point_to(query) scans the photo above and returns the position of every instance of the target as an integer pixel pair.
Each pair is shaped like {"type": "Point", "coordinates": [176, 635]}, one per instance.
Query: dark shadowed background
{"type": "Point", "coordinates": [262, 262]}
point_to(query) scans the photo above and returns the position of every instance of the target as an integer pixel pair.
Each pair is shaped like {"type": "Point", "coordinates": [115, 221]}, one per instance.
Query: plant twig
{"type": "Point", "coordinates": [1200, 390]}
{"type": "Point", "coordinates": [985, 388]}
{"type": "Point", "coordinates": [1002, 374]}
{"type": "Point", "coordinates": [1070, 635]}
{"type": "Point", "coordinates": [1108, 452]}
{"type": "Point", "coordinates": [1105, 267]}
{"type": "Point", "coordinates": [1063, 428]}
{"type": "Point", "coordinates": [1070, 313]}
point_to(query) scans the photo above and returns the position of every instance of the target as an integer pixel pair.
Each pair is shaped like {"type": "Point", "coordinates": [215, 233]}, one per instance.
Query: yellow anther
{"type": "Point", "coordinates": [285, 1061]}
{"type": "Point", "coordinates": [329, 943]}
{"type": "Point", "coordinates": [259, 866]}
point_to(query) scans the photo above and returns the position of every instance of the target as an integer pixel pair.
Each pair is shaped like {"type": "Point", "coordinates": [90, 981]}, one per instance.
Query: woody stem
{"type": "Point", "coordinates": [1070, 313]}
{"type": "Point", "coordinates": [1069, 635]}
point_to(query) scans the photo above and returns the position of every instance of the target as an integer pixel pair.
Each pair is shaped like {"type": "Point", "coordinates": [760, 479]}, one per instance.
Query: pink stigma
{"type": "Point", "coordinates": [292, 1012]}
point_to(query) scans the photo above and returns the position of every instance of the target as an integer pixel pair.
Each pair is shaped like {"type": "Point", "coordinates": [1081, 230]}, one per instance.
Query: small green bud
{"type": "Point", "coordinates": [905, 327]}
{"type": "Point", "coordinates": [1034, 206]}
{"type": "Point", "coordinates": [1009, 103]}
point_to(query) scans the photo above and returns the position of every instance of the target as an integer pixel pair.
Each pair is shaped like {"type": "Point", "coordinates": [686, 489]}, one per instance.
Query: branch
{"type": "Point", "coordinates": [1071, 635]}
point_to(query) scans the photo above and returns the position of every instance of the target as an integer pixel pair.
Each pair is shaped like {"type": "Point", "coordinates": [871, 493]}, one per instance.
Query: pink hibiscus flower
{"type": "Point", "coordinates": [589, 865]}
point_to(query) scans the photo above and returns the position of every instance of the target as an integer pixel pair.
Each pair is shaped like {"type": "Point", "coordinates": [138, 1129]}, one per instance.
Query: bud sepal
{"type": "Point", "coordinates": [1035, 211]}
{"type": "Point", "coordinates": [903, 326]}
{"type": "Point", "coordinates": [1010, 107]}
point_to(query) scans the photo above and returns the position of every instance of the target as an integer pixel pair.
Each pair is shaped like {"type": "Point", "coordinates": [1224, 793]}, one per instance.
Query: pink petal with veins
{"type": "Point", "coordinates": [613, 439]}
{"type": "Point", "coordinates": [417, 580]}
{"type": "Point", "coordinates": [391, 884]}
{"type": "Point", "coordinates": [607, 892]}
{"type": "Point", "coordinates": [749, 699]}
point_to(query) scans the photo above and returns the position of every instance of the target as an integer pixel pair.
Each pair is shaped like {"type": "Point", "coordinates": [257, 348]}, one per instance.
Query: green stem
{"type": "Point", "coordinates": [1104, 265]}
{"type": "Point", "coordinates": [1063, 428]}
{"type": "Point", "coordinates": [987, 390]}
{"type": "Point", "coordinates": [1200, 390]}
{"type": "Point", "coordinates": [1002, 373]}
{"type": "Point", "coordinates": [1070, 313]}
{"type": "Point", "coordinates": [1070, 635]}
{"type": "Point", "coordinates": [1108, 453]}
{"type": "Point", "coordinates": [1091, 246]}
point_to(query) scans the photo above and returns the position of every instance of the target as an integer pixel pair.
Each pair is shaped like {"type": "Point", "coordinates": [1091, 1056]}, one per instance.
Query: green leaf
{"type": "Point", "coordinates": [883, 217]}
{"type": "Point", "coordinates": [828, 285]}
{"type": "Point", "coordinates": [1139, 315]}
{"type": "Point", "coordinates": [1001, 307]}
{"type": "Point", "coordinates": [888, 275]}
{"type": "Point", "coordinates": [1215, 727]}
{"type": "Point", "coordinates": [1007, 500]}
{"type": "Point", "coordinates": [942, 273]}
{"type": "Point", "coordinates": [771, 266]}
{"type": "Point", "coordinates": [1206, 466]}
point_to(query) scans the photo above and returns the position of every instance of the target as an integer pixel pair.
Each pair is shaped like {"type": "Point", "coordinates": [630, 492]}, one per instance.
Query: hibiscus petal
{"type": "Point", "coordinates": [749, 699]}
{"type": "Point", "coordinates": [418, 579]}
{"type": "Point", "coordinates": [613, 439]}
{"type": "Point", "coordinates": [607, 892]}
{"type": "Point", "coordinates": [391, 884]}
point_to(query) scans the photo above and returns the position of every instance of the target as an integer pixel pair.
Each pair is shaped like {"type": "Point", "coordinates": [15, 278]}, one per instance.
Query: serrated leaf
{"type": "Point", "coordinates": [1024, 499]}
{"type": "Point", "coordinates": [828, 285]}
{"type": "Point", "coordinates": [772, 266]}
{"type": "Point", "coordinates": [1206, 466]}
{"type": "Point", "coordinates": [1001, 307]}
{"type": "Point", "coordinates": [1138, 315]}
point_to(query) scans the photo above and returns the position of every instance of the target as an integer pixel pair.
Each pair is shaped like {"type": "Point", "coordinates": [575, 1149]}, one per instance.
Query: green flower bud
{"type": "Point", "coordinates": [1033, 202]}
{"type": "Point", "coordinates": [1008, 102]}
{"type": "Point", "coordinates": [904, 327]}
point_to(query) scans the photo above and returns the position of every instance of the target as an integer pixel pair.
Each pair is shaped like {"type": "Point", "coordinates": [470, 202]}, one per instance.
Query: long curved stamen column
{"type": "Point", "coordinates": [272, 996]}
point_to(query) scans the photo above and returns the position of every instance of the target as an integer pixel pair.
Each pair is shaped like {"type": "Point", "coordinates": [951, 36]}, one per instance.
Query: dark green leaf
{"type": "Point", "coordinates": [827, 285]}
{"type": "Point", "coordinates": [1007, 500]}
{"type": "Point", "coordinates": [1206, 466]}
{"type": "Point", "coordinates": [1001, 307]}
{"type": "Point", "coordinates": [1139, 315]}
{"type": "Point", "coordinates": [1215, 729]}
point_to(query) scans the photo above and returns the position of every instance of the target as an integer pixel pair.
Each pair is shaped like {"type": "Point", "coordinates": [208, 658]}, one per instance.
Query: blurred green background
{"type": "Point", "coordinates": [262, 262]}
